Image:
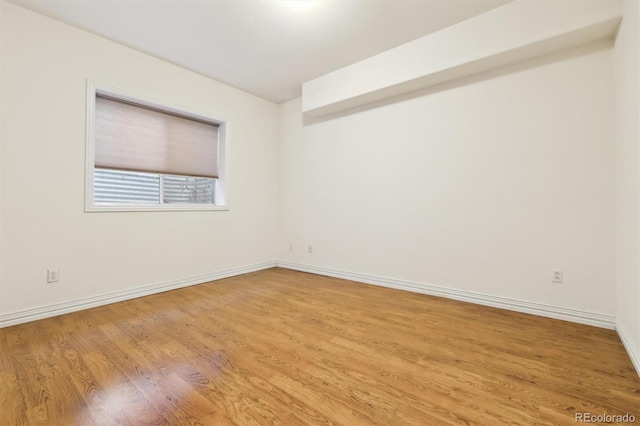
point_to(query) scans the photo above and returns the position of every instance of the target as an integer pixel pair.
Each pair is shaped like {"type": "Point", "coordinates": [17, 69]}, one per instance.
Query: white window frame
{"type": "Point", "coordinates": [221, 197]}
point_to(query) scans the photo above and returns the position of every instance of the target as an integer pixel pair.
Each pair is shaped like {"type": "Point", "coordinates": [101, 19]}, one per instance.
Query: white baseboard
{"type": "Point", "coordinates": [544, 310]}
{"type": "Point", "coordinates": [27, 315]}
{"type": "Point", "coordinates": [550, 311]}
{"type": "Point", "coordinates": [631, 350]}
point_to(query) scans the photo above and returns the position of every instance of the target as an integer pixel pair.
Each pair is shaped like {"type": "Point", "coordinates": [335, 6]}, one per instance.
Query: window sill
{"type": "Point", "coordinates": [155, 208]}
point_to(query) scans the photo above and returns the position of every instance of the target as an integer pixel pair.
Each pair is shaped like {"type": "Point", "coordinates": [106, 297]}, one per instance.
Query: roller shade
{"type": "Point", "coordinates": [139, 138]}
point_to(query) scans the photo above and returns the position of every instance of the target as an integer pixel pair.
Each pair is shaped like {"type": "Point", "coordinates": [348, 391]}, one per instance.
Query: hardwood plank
{"type": "Point", "coordinates": [11, 400]}
{"type": "Point", "coordinates": [288, 348]}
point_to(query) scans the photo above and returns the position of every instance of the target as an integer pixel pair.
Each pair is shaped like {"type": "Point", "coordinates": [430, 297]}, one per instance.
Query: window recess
{"type": "Point", "coordinates": [146, 155]}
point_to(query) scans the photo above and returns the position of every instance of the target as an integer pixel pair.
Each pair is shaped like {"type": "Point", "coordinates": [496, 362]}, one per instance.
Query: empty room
{"type": "Point", "coordinates": [319, 212]}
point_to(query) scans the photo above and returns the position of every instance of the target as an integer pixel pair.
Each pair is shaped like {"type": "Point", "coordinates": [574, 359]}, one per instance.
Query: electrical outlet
{"type": "Point", "coordinates": [556, 275]}
{"type": "Point", "coordinates": [310, 248]}
{"type": "Point", "coordinates": [290, 246]}
{"type": "Point", "coordinates": [53, 275]}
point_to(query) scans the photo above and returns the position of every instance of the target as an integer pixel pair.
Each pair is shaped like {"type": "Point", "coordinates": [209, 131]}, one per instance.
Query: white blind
{"type": "Point", "coordinates": [138, 138]}
{"type": "Point", "coordinates": [119, 187]}
{"type": "Point", "coordinates": [124, 187]}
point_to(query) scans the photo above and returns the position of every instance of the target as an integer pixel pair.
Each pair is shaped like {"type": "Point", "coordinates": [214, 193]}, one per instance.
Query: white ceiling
{"type": "Point", "coordinates": [265, 47]}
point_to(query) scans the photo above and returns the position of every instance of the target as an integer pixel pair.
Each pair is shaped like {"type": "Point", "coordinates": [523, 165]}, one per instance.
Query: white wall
{"type": "Point", "coordinates": [627, 60]}
{"type": "Point", "coordinates": [511, 33]}
{"type": "Point", "coordinates": [45, 65]}
{"type": "Point", "coordinates": [1, 114]}
{"type": "Point", "coordinates": [483, 186]}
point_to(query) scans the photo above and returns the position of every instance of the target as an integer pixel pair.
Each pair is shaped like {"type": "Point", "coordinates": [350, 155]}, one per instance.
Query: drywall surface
{"type": "Point", "coordinates": [1, 112]}
{"type": "Point", "coordinates": [45, 66]}
{"type": "Point", "coordinates": [484, 185]}
{"type": "Point", "coordinates": [514, 32]}
{"type": "Point", "coordinates": [627, 84]}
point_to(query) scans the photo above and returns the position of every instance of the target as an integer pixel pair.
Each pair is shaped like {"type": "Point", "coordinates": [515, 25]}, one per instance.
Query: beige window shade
{"type": "Point", "coordinates": [138, 138]}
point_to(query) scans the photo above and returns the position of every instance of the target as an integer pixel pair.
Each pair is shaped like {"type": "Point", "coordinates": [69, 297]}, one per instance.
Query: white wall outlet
{"type": "Point", "coordinates": [556, 275]}
{"type": "Point", "coordinates": [53, 275]}
{"type": "Point", "coordinates": [290, 246]}
{"type": "Point", "coordinates": [310, 248]}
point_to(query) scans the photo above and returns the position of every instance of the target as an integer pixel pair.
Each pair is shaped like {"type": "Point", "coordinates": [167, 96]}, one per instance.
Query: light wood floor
{"type": "Point", "coordinates": [289, 348]}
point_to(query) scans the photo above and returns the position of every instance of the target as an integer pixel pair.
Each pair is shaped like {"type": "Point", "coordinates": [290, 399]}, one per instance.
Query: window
{"type": "Point", "coordinates": [146, 155]}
